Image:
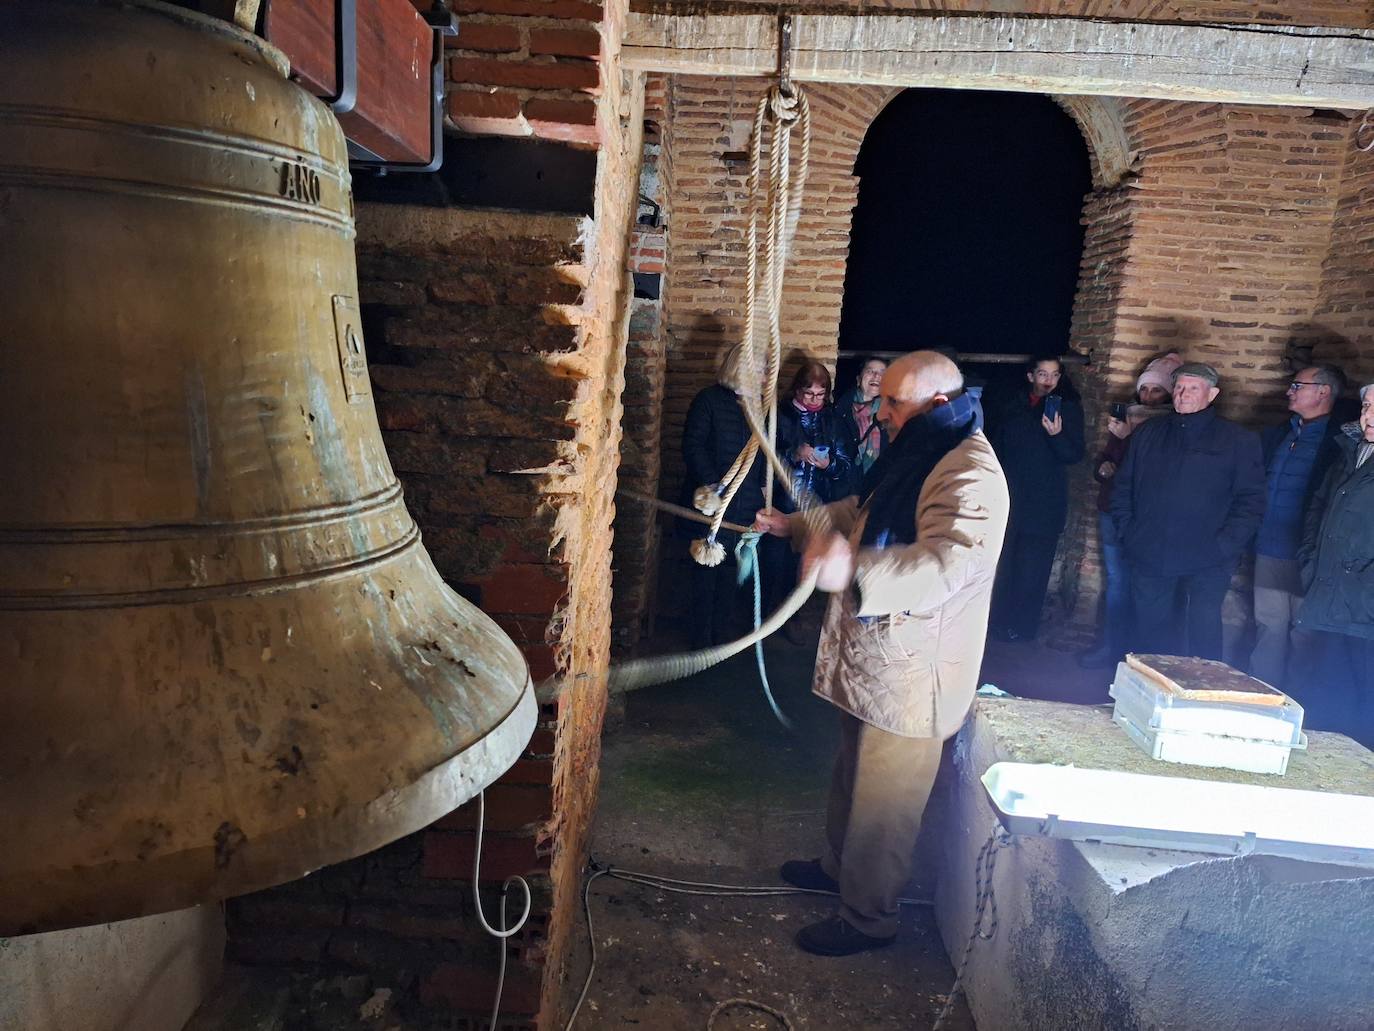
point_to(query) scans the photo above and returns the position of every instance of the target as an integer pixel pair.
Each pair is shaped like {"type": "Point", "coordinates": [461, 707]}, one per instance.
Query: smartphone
{"type": "Point", "coordinates": [1052, 404]}
{"type": "Point", "coordinates": [1119, 410]}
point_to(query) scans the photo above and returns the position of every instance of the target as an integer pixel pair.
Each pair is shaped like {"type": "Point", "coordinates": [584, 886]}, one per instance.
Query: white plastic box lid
{"type": "Point", "coordinates": [1149, 705]}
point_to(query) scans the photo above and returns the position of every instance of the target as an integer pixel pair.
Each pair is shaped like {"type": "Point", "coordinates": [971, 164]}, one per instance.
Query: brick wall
{"type": "Point", "coordinates": [527, 68]}
{"type": "Point", "coordinates": [1345, 311]}
{"type": "Point", "coordinates": [707, 251]}
{"type": "Point", "coordinates": [637, 530]}
{"type": "Point", "coordinates": [1230, 220]}
{"type": "Point", "coordinates": [1220, 244]}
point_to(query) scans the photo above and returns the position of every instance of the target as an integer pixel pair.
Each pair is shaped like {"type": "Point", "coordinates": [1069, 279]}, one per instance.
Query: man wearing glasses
{"type": "Point", "coordinates": [1297, 453]}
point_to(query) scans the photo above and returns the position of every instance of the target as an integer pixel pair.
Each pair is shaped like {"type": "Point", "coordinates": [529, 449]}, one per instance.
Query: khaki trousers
{"type": "Point", "coordinates": [878, 795]}
{"type": "Point", "coordinates": [1281, 649]}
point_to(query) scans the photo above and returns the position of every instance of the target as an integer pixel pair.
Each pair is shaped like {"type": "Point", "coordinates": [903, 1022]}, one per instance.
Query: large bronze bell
{"type": "Point", "coordinates": [225, 658]}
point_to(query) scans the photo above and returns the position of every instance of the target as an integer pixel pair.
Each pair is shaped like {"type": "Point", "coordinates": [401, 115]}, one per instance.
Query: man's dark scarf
{"type": "Point", "coordinates": [892, 487]}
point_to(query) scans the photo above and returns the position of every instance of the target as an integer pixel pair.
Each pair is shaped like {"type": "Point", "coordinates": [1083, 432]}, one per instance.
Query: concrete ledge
{"type": "Point", "coordinates": [146, 974]}
{"type": "Point", "coordinates": [1114, 937]}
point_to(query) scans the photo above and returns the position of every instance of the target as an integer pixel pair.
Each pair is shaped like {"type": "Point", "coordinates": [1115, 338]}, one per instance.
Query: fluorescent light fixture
{"type": "Point", "coordinates": [1181, 813]}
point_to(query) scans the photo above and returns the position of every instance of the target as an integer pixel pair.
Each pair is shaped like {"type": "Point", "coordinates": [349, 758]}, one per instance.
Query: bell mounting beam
{"type": "Point", "coordinates": [1245, 64]}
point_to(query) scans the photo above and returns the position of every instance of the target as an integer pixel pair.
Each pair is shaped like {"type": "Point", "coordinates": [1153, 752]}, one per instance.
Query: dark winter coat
{"type": "Point", "coordinates": [714, 435]}
{"type": "Point", "coordinates": [1337, 552]}
{"type": "Point", "coordinates": [1190, 494]}
{"type": "Point", "coordinates": [876, 435]}
{"type": "Point", "coordinates": [819, 429]}
{"type": "Point", "coordinates": [1036, 464]}
{"type": "Point", "coordinates": [1296, 458]}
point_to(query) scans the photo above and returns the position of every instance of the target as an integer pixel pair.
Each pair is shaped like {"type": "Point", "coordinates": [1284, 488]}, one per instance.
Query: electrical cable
{"type": "Point", "coordinates": [591, 940]}
{"type": "Point", "coordinates": [502, 934]}
{"type": "Point", "coordinates": [680, 886]}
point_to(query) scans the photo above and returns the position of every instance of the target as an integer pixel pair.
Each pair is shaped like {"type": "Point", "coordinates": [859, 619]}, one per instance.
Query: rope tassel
{"type": "Point", "coordinates": [707, 551]}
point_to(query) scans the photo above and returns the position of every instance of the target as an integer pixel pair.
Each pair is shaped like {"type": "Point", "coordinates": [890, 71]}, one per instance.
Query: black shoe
{"type": "Point", "coordinates": [808, 874]}
{"type": "Point", "coordinates": [1100, 657]}
{"type": "Point", "coordinates": [838, 937]}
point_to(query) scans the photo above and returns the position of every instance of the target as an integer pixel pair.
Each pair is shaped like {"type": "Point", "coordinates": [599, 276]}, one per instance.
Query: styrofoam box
{"type": "Point", "coordinates": [1235, 736]}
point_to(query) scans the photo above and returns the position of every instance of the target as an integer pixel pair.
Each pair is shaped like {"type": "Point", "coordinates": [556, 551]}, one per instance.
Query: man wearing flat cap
{"type": "Point", "coordinates": [1186, 502]}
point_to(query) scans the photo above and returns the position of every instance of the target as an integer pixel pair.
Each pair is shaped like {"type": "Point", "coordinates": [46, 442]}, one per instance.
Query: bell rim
{"type": "Point", "coordinates": [225, 869]}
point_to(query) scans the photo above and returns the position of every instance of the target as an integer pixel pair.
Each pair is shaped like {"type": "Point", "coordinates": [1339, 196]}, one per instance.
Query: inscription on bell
{"type": "Point", "coordinates": [348, 332]}
{"type": "Point", "coordinates": [299, 182]}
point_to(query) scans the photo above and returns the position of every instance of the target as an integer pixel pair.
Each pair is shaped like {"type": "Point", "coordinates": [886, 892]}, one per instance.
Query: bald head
{"type": "Point", "coordinates": [921, 375]}
{"type": "Point", "coordinates": [914, 384]}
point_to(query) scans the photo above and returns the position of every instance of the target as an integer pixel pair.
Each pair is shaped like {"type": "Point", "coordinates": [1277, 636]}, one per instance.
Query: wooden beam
{"type": "Point", "coordinates": [1248, 64]}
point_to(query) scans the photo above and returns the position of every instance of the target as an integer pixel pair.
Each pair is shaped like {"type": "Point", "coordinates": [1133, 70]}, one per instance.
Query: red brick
{"type": "Point", "coordinates": [566, 42]}
{"type": "Point", "coordinates": [448, 856]}
{"type": "Point", "coordinates": [494, 112]}
{"type": "Point", "coordinates": [572, 121]}
{"type": "Point", "coordinates": [570, 9]}
{"type": "Point", "coordinates": [470, 987]}
{"type": "Point", "coordinates": [510, 807]}
{"type": "Point", "coordinates": [490, 37]}
{"type": "Point", "coordinates": [525, 631]}
{"type": "Point", "coordinates": [555, 74]}
{"type": "Point", "coordinates": [524, 589]}
{"type": "Point", "coordinates": [516, 546]}
{"type": "Point", "coordinates": [542, 660]}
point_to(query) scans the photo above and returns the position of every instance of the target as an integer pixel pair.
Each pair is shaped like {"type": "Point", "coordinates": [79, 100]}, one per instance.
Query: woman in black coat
{"type": "Point", "coordinates": [1337, 557]}
{"type": "Point", "coordinates": [1036, 452]}
{"type": "Point", "coordinates": [712, 438]}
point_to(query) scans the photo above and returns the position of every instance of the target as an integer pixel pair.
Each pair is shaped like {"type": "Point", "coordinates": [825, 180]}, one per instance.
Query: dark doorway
{"type": "Point", "coordinates": [967, 232]}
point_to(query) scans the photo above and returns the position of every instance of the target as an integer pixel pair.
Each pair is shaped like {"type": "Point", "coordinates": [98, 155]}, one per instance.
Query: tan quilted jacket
{"type": "Point", "coordinates": [914, 671]}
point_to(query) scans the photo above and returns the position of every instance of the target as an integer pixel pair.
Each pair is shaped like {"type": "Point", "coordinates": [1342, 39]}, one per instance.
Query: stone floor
{"type": "Point", "coordinates": [699, 781]}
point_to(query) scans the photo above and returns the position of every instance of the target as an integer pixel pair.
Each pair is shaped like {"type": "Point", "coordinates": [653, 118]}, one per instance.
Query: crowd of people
{"type": "Point", "coordinates": [936, 536]}
{"type": "Point", "coordinates": [1184, 495]}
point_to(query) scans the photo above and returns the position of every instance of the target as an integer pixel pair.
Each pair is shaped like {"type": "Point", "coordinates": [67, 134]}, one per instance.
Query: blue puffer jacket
{"type": "Point", "coordinates": [819, 429]}
{"type": "Point", "coordinates": [1296, 457]}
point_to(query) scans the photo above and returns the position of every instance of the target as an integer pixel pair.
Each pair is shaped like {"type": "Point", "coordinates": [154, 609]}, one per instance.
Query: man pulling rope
{"type": "Point", "coordinates": [909, 564]}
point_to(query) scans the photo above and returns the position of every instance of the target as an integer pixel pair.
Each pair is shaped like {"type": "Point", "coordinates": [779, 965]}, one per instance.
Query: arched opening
{"type": "Point", "coordinates": [967, 232]}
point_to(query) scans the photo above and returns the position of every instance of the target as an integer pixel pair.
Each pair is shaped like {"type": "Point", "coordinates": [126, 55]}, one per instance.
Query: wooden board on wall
{"type": "Point", "coordinates": [395, 49]}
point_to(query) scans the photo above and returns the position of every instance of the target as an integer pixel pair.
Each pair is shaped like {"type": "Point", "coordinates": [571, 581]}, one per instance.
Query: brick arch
{"type": "Point", "coordinates": [844, 115]}
{"type": "Point", "coordinates": [1100, 120]}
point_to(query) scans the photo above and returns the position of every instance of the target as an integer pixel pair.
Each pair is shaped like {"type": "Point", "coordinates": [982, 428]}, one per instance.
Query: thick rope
{"type": "Point", "coordinates": [660, 669]}
{"type": "Point", "coordinates": [758, 395]}
{"type": "Point", "coordinates": [782, 197]}
{"type": "Point", "coordinates": [747, 559]}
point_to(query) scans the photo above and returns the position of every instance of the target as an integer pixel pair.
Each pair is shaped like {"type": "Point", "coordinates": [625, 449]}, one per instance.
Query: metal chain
{"type": "Point", "coordinates": [985, 902]}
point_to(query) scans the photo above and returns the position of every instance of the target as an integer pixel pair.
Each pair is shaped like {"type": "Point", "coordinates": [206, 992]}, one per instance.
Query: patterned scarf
{"type": "Point", "coordinates": [870, 433]}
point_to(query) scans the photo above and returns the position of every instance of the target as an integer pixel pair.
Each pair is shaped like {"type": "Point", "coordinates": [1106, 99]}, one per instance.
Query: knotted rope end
{"type": "Point", "coordinates": [707, 500]}
{"type": "Point", "coordinates": [707, 551]}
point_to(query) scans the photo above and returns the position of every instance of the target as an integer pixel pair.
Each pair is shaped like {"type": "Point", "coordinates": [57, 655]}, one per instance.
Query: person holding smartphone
{"type": "Point", "coordinates": [1038, 435]}
{"type": "Point", "coordinates": [810, 438]}
{"type": "Point", "coordinates": [1152, 398]}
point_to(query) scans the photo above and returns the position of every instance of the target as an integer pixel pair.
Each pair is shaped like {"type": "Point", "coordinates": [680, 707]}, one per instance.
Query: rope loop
{"type": "Point", "coordinates": [1364, 134]}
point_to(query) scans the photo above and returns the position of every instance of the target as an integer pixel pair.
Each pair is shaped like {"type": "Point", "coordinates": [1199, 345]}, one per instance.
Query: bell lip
{"type": "Point", "coordinates": [94, 895]}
